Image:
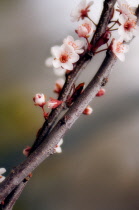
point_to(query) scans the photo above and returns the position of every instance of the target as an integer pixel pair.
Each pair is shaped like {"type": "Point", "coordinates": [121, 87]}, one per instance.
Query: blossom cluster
{"type": "Point", "coordinates": [127, 28]}
{"type": "Point", "coordinates": [64, 57]}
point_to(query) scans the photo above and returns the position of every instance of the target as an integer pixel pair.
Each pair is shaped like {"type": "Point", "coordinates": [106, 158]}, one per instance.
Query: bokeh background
{"type": "Point", "coordinates": [99, 166]}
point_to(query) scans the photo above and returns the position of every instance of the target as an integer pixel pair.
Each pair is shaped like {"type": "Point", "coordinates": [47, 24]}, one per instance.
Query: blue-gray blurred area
{"type": "Point", "coordinates": [99, 166]}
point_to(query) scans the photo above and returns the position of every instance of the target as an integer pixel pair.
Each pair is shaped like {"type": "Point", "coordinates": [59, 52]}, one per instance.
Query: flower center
{"type": "Point", "coordinates": [0, 177]}
{"type": "Point", "coordinates": [64, 58]}
{"type": "Point", "coordinates": [84, 13]}
{"type": "Point", "coordinates": [119, 47]}
{"type": "Point", "coordinates": [129, 25]}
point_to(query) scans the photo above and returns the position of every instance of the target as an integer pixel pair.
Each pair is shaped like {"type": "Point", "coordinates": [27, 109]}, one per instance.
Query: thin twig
{"type": "Point", "coordinates": [12, 197]}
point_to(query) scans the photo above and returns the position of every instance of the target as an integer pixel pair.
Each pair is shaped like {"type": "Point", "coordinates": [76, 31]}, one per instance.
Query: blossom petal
{"type": "Point", "coordinates": [49, 61]}
{"type": "Point", "coordinates": [2, 170]}
{"type": "Point", "coordinates": [59, 71]}
{"type": "Point", "coordinates": [56, 63]}
{"type": "Point", "coordinates": [58, 150]}
{"type": "Point", "coordinates": [55, 51]}
{"type": "Point", "coordinates": [67, 66]}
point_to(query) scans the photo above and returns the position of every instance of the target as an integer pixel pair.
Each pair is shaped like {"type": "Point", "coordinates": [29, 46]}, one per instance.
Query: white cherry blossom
{"type": "Point", "coordinates": [57, 71]}
{"type": "Point", "coordinates": [76, 44]}
{"type": "Point", "coordinates": [119, 49]}
{"type": "Point", "coordinates": [85, 29]}
{"type": "Point", "coordinates": [39, 99]}
{"type": "Point", "coordinates": [58, 148]}
{"type": "Point", "coordinates": [81, 11]}
{"type": "Point", "coordinates": [2, 171]}
{"type": "Point", "coordinates": [125, 9]}
{"type": "Point", "coordinates": [64, 56]}
{"type": "Point", "coordinates": [127, 29]}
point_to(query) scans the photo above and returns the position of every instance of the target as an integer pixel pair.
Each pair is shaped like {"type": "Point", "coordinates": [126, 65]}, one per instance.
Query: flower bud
{"type": "Point", "coordinates": [39, 99]}
{"type": "Point", "coordinates": [58, 148]}
{"type": "Point", "coordinates": [101, 92]}
{"type": "Point", "coordinates": [88, 110]}
{"type": "Point", "coordinates": [26, 151]}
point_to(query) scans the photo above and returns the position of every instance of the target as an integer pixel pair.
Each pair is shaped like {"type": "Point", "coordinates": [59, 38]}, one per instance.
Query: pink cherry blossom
{"type": "Point", "coordinates": [88, 110]}
{"type": "Point", "coordinates": [76, 44]}
{"type": "Point", "coordinates": [53, 103]}
{"type": "Point", "coordinates": [127, 29]}
{"type": "Point", "coordinates": [81, 11]}
{"type": "Point", "coordinates": [119, 49]}
{"type": "Point", "coordinates": [64, 56]}
{"type": "Point", "coordinates": [59, 85]}
{"type": "Point", "coordinates": [58, 148]}
{"type": "Point", "coordinates": [2, 171]}
{"type": "Point", "coordinates": [126, 10]}
{"type": "Point", "coordinates": [39, 99]}
{"type": "Point", "coordinates": [85, 29]}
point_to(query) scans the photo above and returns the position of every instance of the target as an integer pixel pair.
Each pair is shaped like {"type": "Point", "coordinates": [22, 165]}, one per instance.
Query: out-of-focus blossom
{"type": "Point", "coordinates": [58, 148]}
{"type": "Point", "coordinates": [39, 99]}
{"type": "Point", "coordinates": [76, 44]}
{"type": "Point", "coordinates": [26, 151]}
{"type": "Point", "coordinates": [88, 110]}
{"type": "Point", "coordinates": [64, 56]}
{"type": "Point", "coordinates": [119, 49]}
{"type": "Point", "coordinates": [81, 11]}
{"type": "Point", "coordinates": [59, 85]}
{"type": "Point", "coordinates": [101, 92]}
{"type": "Point", "coordinates": [2, 171]}
{"type": "Point", "coordinates": [127, 29]}
{"type": "Point", "coordinates": [53, 103]}
{"type": "Point", "coordinates": [85, 29]}
{"type": "Point", "coordinates": [126, 10]}
{"type": "Point", "coordinates": [49, 62]}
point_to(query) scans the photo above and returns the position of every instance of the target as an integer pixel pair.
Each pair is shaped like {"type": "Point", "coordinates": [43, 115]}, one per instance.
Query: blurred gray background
{"type": "Point", "coordinates": [99, 166]}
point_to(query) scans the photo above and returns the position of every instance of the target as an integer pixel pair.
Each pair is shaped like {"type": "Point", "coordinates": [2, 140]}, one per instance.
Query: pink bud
{"type": "Point", "coordinates": [101, 92]}
{"type": "Point", "coordinates": [88, 110]}
{"type": "Point", "coordinates": [53, 103]}
{"type": "Point", "coordinates": [39, 99]}
{"type": "Point", "coordinates": [26, 151]}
